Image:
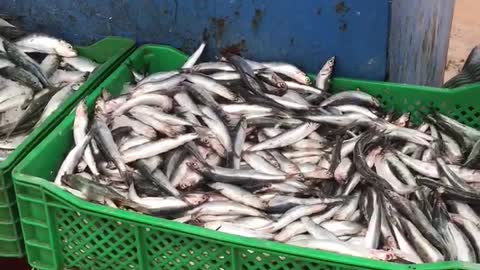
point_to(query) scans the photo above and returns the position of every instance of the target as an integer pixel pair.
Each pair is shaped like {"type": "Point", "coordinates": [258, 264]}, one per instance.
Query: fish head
{"type": "Point", "coordinates": [100, 108]}
{"type": "Point", "coordinates": [303, 78]}
{"type": "Point", "coordinates": [186, 184]}
{"type": "Point", "coordinates": [85, 76]}
{"type": "Point", "coordinates": [296, 176]}
{"type": "Point", "coordinates": [106, 94]}
{"type": "Point", "coordinates": [277, 80]}
{"type": "Point", "coordinates": [204, 151]}
{"type": "Point", "coordinates": [76, 86]}
{"type": "Point", "coordinates": [65, 49]}
{"type": "Point", "coordinates": [331, 61]}
{"type": "Point", "coordinates": [68, 181]}
{"type": "Point", "coordinates": [384, 255]}
{"type": "Point", "coordinates": [37, 84]}
{"type": "Point", "coordinates": [403, 120]}
{"type": "Point", "coordinates": [81, 110]}
{"type": "Point", "coordinates": [113, 104]}
{"type": "Point", "coordinates": [194, 165]}
{"type": "Point", "coordinates": [282, 85]}
{"type": "Point", "coordinates": [76, 182]}
{"type": "Point", "coordinates": [238, 99]}
{"type": "Point", "coordinates": [196, 198]}
{"type": "Point", "coordinates": [213, 159]}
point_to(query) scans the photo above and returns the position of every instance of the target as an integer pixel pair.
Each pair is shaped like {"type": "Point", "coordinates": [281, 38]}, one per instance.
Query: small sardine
{"type": "Point", "coordinates": [72, 159]}
{"type": "Point", "coordinates": [238, 194]}
{"type": "Point", "coordinates": [46, 44]}
{"type": "Point", "coordinates": [80, 63]}
{"type": "Point", "coordinates": [156, 147]}
{"type": "Point", "coordinates": [323, 76]}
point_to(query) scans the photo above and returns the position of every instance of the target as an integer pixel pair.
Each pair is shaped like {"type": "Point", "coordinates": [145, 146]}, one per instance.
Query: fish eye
{"type": "Point", "coordinates": [192, 164]}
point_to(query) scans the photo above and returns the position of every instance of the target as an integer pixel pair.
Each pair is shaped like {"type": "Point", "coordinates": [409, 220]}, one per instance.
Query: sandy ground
{"type": "Point", "coordinates": [464, 36]}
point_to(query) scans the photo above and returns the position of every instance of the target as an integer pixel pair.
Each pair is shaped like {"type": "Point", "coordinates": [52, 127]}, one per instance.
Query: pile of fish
{"type": "Point", "coordinates": [37, 74]}
{"type": "Point", "coordinates": [252, 149]}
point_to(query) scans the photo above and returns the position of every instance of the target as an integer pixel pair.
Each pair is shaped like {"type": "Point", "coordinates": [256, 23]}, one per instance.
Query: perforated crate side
{"type": "Point", "coordinates": [11, 244]}
{"type": "Point", "coordinates": [37, 226]}
{"type": "Point", "coordinates": [91, 241]}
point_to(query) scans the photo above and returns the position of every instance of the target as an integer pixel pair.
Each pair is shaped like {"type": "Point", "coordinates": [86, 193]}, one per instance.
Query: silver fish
{"type": "Point", "coordinates": [194, 57]}
{"type": "Point", "coordinates": [80, 63]}
{"type": "Point", "coordinates": [156, 147]}
{"type": "Point", "coordinates": [72, 159]}
{"type": "Point", "coordinates": [294, 214]}
{"type": "Point", "coordinates": [80, 126]}
{"type": "Point", "coordinates": [46, 44]}
{"type": "Point", "coordinates": [238, 194]}
{"type": "Point", "coordinates": [164, 102]}
{"type": "Point", "coordinates": [225, 208]}
{"type": "Point", "coordinates": [323, 76]}
{"type": "Point", "coordinates": [286, 138]}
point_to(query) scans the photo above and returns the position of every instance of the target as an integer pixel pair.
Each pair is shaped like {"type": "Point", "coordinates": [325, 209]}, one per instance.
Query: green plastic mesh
{"type": "Point", "coordinates": [174, 251]}
{"type": "Point", "coordinates": [90, 242]}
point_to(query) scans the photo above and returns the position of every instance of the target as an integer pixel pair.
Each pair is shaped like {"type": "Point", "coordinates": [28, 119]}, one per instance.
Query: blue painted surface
{"type": "Point", "coordinates": [305, 33]}
{"type": "Point", "coordinates": [420, 32]}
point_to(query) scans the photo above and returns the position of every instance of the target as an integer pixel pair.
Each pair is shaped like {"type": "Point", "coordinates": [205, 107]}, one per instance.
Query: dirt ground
{"type": "Point", "coordinates": [464, 36]}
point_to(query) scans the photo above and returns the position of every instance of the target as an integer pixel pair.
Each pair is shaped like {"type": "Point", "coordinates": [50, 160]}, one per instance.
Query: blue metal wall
{"type": "Point", "coordinates": [305, 32]}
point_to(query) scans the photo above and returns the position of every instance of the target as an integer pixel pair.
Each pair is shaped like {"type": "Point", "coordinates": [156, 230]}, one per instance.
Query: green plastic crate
{"type": "Point", "coordinates": [109, 51]}
{"type": "Point", "coordinates": [63, 231]}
